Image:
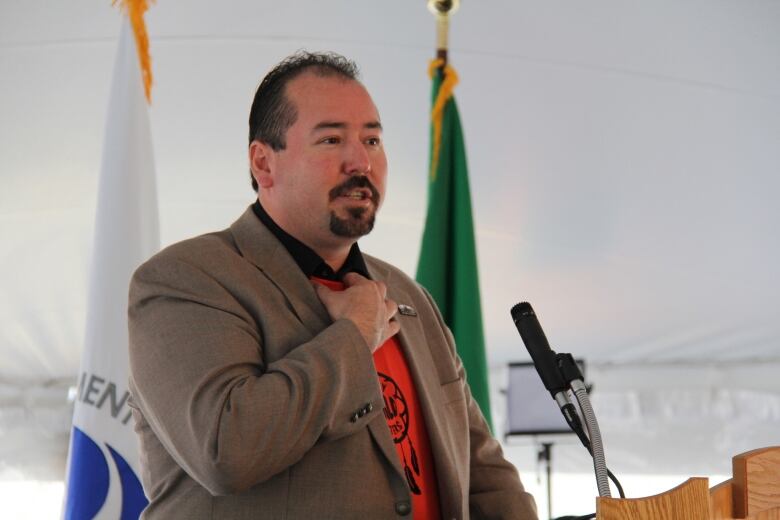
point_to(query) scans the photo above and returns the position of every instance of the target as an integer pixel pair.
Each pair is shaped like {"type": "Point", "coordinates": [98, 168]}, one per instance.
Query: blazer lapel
{"type": "Point", "coordinates": [426, 381]}
{"type": "Point", "coordinates": [258, 245]}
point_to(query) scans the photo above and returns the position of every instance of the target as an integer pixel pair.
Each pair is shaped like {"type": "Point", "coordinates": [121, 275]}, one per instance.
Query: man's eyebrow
{"type": "Point", "coordinates": [328, 124]}
{"type": "Point", "coordinates": [324, 125]}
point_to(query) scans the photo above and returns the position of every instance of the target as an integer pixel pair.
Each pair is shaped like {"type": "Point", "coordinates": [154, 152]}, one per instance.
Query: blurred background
{"type": "Point", "coordinates": [625, 167]}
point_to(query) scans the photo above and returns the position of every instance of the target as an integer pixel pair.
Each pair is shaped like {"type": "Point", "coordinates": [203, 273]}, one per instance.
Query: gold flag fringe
{"type": "Point", "coordinates": [437, 113]}
{"type": "Point", "coordinates": [135, 9]}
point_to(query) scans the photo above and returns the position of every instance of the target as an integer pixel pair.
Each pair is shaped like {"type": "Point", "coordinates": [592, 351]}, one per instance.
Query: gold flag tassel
{"type": "Point", "coordinates": [450, 79]}
{"type": "Point", "coordinates": [135, 10]}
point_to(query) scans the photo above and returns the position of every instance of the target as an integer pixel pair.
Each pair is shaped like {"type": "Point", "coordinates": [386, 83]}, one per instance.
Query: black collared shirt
{"type": "Point", "coordinates": [310, 262]}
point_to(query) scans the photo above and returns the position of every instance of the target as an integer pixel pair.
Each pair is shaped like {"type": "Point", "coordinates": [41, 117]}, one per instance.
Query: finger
{"type": "Point", "coordinates": [382, 287]}
{"type": "Point", "coordinates": [393, 326]}
{"type": "Point", "coordinates": [391, 307]}
{"type": "Point", "coordinates": [389, 331]}
{"type": "Point", "coordinates": [323, 292]}
{"type": "Point", "coordinates": [353, 278]}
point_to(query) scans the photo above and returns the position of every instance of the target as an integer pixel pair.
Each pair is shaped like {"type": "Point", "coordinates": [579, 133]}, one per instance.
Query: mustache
{"type": "Point", "coordinates": [357, 181]}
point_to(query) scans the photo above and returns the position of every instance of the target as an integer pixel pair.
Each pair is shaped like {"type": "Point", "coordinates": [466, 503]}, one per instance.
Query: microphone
{"type": "Point", "coordinates": [545, 360]}
{"type": "Point", "coordinates": [558, 372]}
{"type": "Point", "coordinates": [546, 363]}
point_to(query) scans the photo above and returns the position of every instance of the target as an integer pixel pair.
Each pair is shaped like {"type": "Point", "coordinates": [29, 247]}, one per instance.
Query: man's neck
{"type": "Point", "coordinates": [335, 259]}
{"type": "Point", "coordinates": [333, 252]}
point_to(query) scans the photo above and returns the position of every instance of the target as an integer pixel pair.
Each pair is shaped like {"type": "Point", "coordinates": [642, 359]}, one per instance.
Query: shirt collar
{"type": "Point", "coordinates": [310, 262]}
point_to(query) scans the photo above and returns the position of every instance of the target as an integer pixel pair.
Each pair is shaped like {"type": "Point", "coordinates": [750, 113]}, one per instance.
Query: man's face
{"type": "Point", "coordinates": [329, 181]}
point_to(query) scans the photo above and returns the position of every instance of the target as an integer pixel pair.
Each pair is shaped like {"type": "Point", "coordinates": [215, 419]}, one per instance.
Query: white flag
{"type": "Point", "coordinates": [103, 468]}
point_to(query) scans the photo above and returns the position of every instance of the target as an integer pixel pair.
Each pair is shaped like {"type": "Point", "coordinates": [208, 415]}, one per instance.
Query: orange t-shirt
{"type": "Point", "coordinates": [407, 426]}
{"type": "Point", "coordinates": [406, 423]}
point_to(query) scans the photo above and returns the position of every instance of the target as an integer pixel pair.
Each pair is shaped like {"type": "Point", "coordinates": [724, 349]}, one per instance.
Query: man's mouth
{"type": "Point", "coordinates": [357, 189]}
{"type": "Point", "coordinates": [358, 194]}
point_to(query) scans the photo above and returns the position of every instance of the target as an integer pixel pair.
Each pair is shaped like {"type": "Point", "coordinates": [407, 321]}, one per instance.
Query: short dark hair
{"type": "Point", "coordinates": [272, 114]}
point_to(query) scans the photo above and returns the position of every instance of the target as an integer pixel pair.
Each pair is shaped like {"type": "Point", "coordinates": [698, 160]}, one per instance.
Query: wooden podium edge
{"type": "Point", "coordinates": [689, 500]}
{"type": "Point", "coordinates": [753, 493]}
{"type": "Point", "coordinates": [722, 500]}
{"type": "Point", "coordinates": [756, 482]}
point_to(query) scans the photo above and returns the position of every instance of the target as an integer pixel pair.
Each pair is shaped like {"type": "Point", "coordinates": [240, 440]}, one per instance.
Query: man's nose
{"type": "Point", "coordinates": [356, 159]}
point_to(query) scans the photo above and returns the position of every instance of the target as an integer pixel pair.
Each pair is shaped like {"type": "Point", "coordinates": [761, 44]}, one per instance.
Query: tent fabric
{"type": "Point", "coordinates": [624, 165]}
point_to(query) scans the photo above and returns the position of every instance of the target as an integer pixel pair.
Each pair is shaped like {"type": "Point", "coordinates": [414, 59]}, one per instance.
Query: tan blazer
{"type": "Point", "coordinates": [250, 402]}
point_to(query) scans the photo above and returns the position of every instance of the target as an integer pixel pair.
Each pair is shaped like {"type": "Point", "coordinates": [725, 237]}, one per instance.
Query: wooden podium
{"type": "Point", "coordinates": [752, 493]}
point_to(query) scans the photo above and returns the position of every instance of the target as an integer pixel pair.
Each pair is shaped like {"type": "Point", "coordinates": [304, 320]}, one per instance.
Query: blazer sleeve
{"type": "Point", "coordinates": [495, 490]}
{"type": "Point", "coordinates": [199, 379]}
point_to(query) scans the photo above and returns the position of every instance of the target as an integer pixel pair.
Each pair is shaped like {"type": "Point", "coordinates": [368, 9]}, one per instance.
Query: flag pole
{"type": "Point", "coordinates": [103, 467]}
{"type": "Point", "coordinates": [441, 9]}
{"type": "Point", "coordinates": [448, 263]}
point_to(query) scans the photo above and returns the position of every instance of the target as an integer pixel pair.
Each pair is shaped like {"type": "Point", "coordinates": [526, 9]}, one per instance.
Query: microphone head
{"type": "Point", "coordinates": [521, 310]}
{"type": "Point", "coordinates": [536, 342]}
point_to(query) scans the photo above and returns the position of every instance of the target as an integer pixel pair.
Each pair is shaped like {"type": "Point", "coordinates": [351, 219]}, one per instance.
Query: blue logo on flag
{"type": "Point", "coordinates": [89, 481]}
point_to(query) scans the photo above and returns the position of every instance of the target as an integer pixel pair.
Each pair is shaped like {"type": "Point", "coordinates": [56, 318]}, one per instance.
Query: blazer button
{"type": "Point", "coordinates": [354, 418]}
{"type": "Point", "coordinates": [369, 408]}
{"type": "Point", "coordinates": [403, 507]}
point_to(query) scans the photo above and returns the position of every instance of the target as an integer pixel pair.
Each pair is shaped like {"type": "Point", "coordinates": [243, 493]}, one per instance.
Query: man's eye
{"type": "Point", "coordinates": [330, 140]}
{"type": "Point", "coordinates": [374, 141]}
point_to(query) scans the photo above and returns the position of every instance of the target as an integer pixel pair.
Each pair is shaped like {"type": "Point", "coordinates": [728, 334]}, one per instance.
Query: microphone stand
{"type": "Point", "coordinates": [572, 375]}
{"type": "Point", "coordinates": [545, 455]}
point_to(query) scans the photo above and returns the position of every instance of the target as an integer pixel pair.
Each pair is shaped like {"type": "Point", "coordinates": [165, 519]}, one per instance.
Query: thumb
{"type": "Point", "coordinates": [353, 278]}
{"type": "Point", "coordinates": [320, 289]}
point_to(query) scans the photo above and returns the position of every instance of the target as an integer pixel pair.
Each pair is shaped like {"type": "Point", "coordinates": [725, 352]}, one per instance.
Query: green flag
{"type": "Point", "coordinates": [448, 260]}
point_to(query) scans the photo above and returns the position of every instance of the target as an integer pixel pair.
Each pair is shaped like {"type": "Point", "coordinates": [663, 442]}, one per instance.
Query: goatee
{"type": "Point", "coordinates": [357, 222]}
{"type": "Point", "coordinates": [355, 225]}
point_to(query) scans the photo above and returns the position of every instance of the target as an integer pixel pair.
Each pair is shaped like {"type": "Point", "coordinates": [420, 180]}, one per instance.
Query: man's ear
{"type": "Point", "coordinates": [260, 162]}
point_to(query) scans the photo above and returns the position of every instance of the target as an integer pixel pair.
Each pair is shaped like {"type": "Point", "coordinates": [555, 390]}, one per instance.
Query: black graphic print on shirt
{"type": "Point", "coordinates": [397, 416]}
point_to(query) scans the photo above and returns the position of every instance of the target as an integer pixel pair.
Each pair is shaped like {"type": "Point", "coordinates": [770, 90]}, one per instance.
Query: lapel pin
{"type": "Point", "coordinates": [406, 310]}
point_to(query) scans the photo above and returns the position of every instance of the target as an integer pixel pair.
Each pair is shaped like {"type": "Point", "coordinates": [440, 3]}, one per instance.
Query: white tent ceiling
{"type": "Point", "coordinates": [624, 161]}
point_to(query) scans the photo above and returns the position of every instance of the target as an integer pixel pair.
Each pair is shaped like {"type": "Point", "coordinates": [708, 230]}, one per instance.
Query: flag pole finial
{"type": "Point", "coordinates": [442, 9]}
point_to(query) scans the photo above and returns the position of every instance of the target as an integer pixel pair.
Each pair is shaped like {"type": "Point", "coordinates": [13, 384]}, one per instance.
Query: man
{"type": "Point", "coordinates": [276, 372]}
